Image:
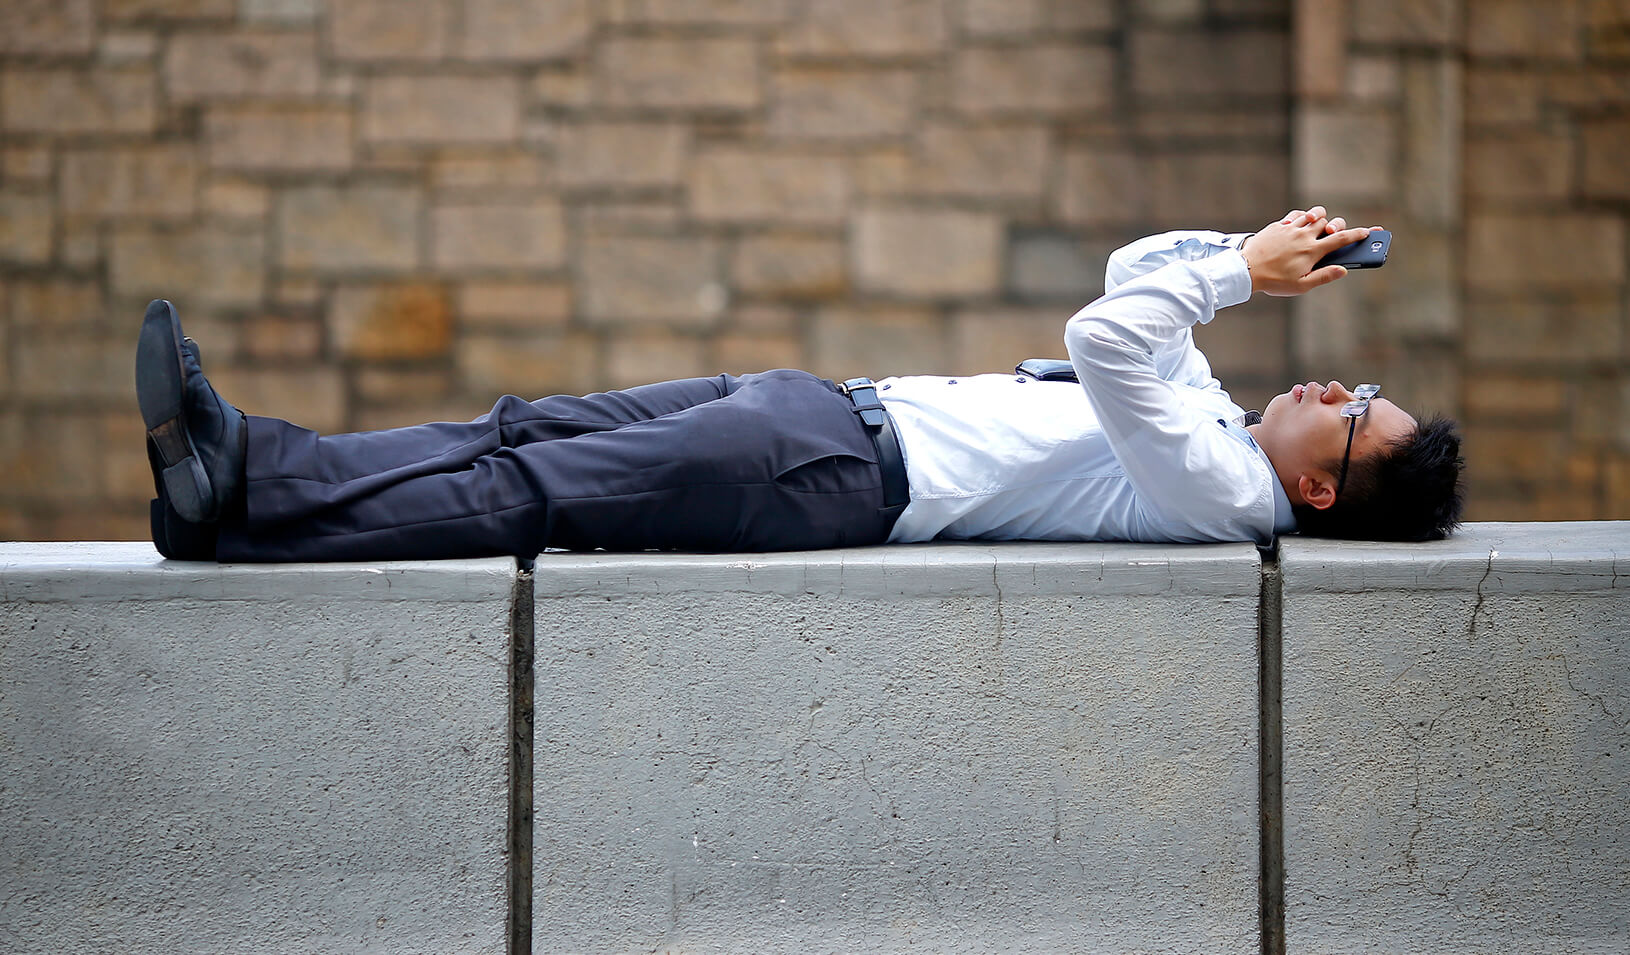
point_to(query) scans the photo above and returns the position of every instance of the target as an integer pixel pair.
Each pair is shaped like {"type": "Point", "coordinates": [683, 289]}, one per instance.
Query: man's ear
{"type": "Point", "coordinates": [1317, 490]}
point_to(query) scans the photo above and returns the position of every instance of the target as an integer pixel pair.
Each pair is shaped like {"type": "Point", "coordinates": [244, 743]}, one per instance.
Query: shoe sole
{"type": "Point", "coordinates": [160, 379]}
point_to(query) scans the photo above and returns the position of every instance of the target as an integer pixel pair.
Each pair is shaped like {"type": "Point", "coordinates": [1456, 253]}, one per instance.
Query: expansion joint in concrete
{"type": "Point", "coordinates": [521, 685]}
{"type": "Point", "coordinates": [1271, 819]}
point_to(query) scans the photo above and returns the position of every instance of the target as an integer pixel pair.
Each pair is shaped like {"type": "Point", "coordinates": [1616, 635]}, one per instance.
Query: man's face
{"type": "Point", "coordinates": [1304, 434]}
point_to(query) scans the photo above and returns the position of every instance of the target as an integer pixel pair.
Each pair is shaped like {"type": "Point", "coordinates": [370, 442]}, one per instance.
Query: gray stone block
{"type": "Point", "coordinates": [251, 758]}
{"type": "Point", "coordinates": [954, 747]}
{"type": "Point", "coordinates": [1456, 717]}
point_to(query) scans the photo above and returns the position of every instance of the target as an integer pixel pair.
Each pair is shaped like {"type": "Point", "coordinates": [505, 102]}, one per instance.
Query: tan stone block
{"type": "Point", "coordinates": [995, 339]}
{"type": "Point", "coordinates": [47, 26]}
{"type": "Point", "coordinates": [661, 72]}
{"type": "Point", "coordinates": [498, 363]}
{"type": "Point", "coordinates": [339, 228]}
{"type": "Point", "coordinates": [59, 303]}
{"type": "Point", "coordinates": [641, 215]}
{"type": "Point", "coordinates": [877, 341]}
{"type": "Point", "coordinates": [516, 304]}
{"type": "Point", "coordinates": [790, 267]}
{"type": "Point", "coordinates": [524, 29]}
{"type": "Point", "coordinates": [826, 102]}
{"type": "Point", "coordinates": [1407, 22]}
{"type": "Point", "coordinates": [1346, 156]}
{"type": "Point", "coordinates": [1320, 48]}
{"type": "Point", "coordinates": [760, 320]}
{"type": "Point", "coordinates": [153, 182]}
{"type": "Point", "coordinates": [1002, 18]}
{"type": "Point", "coordinates": [313, 398]}
{"type": "Point", "coordinates": [298, 290]}
{"type": "Point", "coordinates": [281, 337]}
{"type": "Point", "coordinates": [25, 228]}
{"type": "Point", "coordinates": [1556, 250]}
{"type": "Point", "coordinates": [596, 154]}
{"type": "Point", "coordinates": [885, 172]}
{"type": "Point", "coordinates": [239, 64]}
{"type": "Point", "coordinates": [210, 264]}
{"type": "Point", "coordinates": [505, 169]}
{"type": "Point", "coordinates": [80, 245]}
{"type": "Point", "coordinates": [236, 199]}
{"type": "Point", "coordinates": [926, 253]}
{"type": "Point", "coordinates": [119, 10]}
{"type": "Point", "coordinates": [125, 474]}
{"type": "Point", "coordinates": [30, 164]}
{"type": "Point", "coordinates": [856, 28]}
{"type": "Point", "coordinates": [1506, 396]}
{"type": "Point", "coordinates": [98, 100]}
{"type": "Point", "coordinates": [646, 356]}
{"type": "Point", "coordinates": [561, 88]}
{"type": "Point", "coordinates": [1174, 124]}
{"type": "Point", "coordinates": [128, 46]}
{"type": "Point", "coordinates": [1171, 12]}
{"type": "Point", "coordinates": [379, 30]}
{"type": "Point", "coordinates": [278, 138]}
{"type": "Point", "coordinates": [1373, 79]}
{"type": "Point", "coordinates": [1499, 96]}
{"type": "Point", "coordinates": [990, 162]}
{"type": "Point", "coordinates": [651, 279]}
{"type": "Point", "coordinates": [73, 367]}
{"type": "Point", "coordinates": [1523, 28]}
{"type": "Point", "coordinates": [1033, 79]}
{"type": "Point", "coordinates": [1520, 166]}
{"type": "Point", "coordinates": [1103, 184]}
{"type": "Point", "coordinates": [1433, 130]}
{"type": "Point", "coordinates": [279, 11]}
{"type": "Point", "coordinates": [744, 354]}
{"type": "Point", "coordinates": [1574, 331]}
{"type": "Point", "coordinates": [1606, 171]}
{"type": "Point", "coordinates": [1207, 64]}
{"type": "Point", "coordinates": [1251, 346]}
{"type": "Point", "coordinates": [480, 237]}
{"type": "Point", "coordinates": [1497, 453]}
{"type": "Point", "coordinates": [696, 12]}
{"type": "Point", "coordinates": [441, 109]}
{"type": "Point", "coordinates": [43, 456]}
{"type": "Point", "coordinates": [735, 184]}
{"type": "Point", "coordinates": [1055, 266]}
{"type": "Point", "coordinates": [404, 386]}
{"type": "Point", "coordinates": [390, 321]}
{"type": "Point", "coordinates": [1592, 89]}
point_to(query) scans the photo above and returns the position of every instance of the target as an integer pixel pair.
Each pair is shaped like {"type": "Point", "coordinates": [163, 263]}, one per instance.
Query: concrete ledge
{"type": "Point", "coordinates": [1456, 721]}
{"type": "Point", "coordinates": [956, 747]}
{"type": "Point", "coordinates": [289, 758]}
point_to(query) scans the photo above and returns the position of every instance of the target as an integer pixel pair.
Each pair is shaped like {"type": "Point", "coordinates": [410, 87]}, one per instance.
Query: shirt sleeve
{"type": "Point", "coordinates": [1152, 252]}
{"type": "Point", "coordinates": [1179, 461]}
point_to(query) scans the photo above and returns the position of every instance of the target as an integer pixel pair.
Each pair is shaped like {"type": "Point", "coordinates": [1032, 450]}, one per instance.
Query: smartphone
{"type": "Point", "coordinates": [1366, 253]}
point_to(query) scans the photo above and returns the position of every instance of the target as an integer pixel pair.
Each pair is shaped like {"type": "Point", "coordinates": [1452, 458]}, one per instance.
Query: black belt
{"type": "Point", "coordinates": [890, 459]}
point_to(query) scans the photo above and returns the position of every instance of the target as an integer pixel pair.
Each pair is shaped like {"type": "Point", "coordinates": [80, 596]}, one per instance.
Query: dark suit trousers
{"type": "Point", "coordinates": [773, 461]}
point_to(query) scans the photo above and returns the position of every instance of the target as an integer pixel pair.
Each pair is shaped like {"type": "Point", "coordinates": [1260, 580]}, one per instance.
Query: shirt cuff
{"type": "Point", "coordinates": [1230, 279]}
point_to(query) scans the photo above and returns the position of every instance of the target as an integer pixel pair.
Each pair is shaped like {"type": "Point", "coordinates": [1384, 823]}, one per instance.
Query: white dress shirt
{"type": "Point", "coordinates": [1145, 448]}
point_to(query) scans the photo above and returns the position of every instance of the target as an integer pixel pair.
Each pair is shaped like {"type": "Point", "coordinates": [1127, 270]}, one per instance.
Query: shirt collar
{"type": "Point", "coordinates": [1284, 516]}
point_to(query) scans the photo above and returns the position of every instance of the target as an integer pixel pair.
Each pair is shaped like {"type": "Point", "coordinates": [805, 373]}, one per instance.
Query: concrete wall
{"type": "Point", "coordinates": [1456, 720]}
{"type": "Point", "coordinates": [251, 759]}
{"type": "Point", "coordinates": [970, 748]}
{"type": "Point", "coordinates": [985, 748]}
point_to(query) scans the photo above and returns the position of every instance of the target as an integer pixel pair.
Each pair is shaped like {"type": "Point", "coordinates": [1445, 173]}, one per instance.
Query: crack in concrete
{"type": "Point", "coordinates": [1477, 607]}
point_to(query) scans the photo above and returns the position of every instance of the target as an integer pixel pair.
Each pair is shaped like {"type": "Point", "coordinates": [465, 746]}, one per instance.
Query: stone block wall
{"type": "Point", "coordinates": [373, 212]}
{"type": "Point", "coordinates": [1491, 137]}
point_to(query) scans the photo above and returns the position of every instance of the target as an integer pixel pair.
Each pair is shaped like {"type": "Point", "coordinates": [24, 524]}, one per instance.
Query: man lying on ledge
{"type": "Point", "coordinates": [1146, 446]}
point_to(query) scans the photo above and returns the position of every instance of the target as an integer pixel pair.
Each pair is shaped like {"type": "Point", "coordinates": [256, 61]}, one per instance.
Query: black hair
{"type": "Point", "coordinates": [1407, 491]}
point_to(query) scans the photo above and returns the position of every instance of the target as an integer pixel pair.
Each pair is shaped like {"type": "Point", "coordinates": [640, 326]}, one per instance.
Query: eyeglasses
{"type": "Point", "coordinates": [1352, 411]}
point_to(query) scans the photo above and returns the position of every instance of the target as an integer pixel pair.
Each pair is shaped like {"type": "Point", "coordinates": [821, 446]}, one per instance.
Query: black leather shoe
{"type": "Point", "coordinates": [196, 439]}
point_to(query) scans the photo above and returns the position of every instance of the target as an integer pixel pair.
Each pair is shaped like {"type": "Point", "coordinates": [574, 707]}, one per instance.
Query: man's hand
{"type": "Point", "coordinates": [1281, 256]}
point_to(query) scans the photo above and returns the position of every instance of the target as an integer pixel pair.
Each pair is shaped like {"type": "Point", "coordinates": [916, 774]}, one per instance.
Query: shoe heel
{"type": "Point", "coordinates": [188, 490]}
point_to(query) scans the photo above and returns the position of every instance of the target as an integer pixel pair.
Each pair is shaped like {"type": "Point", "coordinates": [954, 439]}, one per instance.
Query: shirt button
{"type": "Point", "coordinates": [887, 387]}
{"type": "Point", "coordinates": [1020, 379]}
{"type": "Point", "coordinates": [951, 382]}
